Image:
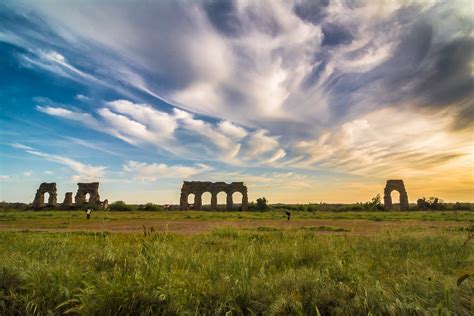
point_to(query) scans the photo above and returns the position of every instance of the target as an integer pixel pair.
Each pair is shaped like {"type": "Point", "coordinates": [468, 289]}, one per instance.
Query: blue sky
{"type": "Point", "coordinates": [302, 100]}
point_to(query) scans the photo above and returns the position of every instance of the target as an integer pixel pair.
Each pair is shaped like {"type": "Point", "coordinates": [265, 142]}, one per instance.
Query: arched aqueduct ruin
{"type": "Point", "coordinates": [198, 188]}
{"type": "Point", "coordinates": [395, 185]}
{"type": "Point", "coordinates": [84, 189]}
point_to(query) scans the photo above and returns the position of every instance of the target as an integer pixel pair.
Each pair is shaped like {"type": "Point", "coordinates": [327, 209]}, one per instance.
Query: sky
{"type": "Point", "coordinates": [303, 101]}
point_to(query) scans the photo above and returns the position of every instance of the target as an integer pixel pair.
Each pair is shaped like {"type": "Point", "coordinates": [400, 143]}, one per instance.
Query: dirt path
{"type": "Point", "coordinates": [357, 227]}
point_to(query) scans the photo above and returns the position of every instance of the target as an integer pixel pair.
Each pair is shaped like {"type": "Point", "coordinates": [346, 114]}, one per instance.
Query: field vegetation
{"type": "Point", "coordinates": [319, 263]}
{"type": "Point", "coordinates": [261, 271]}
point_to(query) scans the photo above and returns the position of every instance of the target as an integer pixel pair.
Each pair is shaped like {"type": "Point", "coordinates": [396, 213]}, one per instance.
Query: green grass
{"type": "Point", "coordinates": [259, 271]}
{"type": "Point", "coordinates": [464, 216]}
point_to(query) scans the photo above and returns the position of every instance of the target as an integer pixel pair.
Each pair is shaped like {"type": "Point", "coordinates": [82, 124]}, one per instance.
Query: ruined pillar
{"type": "Point", "coordinates": [214, 201]}
{"type": "Point", "coordinates": [198, 201]}
{"type": "Point", "coordinates": [183, 201]}
{"type": "Point", "coordinates": [395, 185]}
{"type": "Point", "coordinates": [49, 188]}
{"type": "Point", "coordinates": [230, 203]}
{"type": "Point", "coordinates": [67, 199]}
{"type": "Point", "coordinates": [245, 201]}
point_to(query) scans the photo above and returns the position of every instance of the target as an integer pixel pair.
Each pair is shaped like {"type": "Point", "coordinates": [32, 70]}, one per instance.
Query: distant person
{"type": "Point", "coordinates": [88, 213]}
{"type": "Point", "coordinates": [288, 214]}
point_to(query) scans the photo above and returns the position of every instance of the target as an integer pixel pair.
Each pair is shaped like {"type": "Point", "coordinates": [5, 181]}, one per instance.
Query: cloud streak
{"type": "Point", "coordinates": [85, 172]}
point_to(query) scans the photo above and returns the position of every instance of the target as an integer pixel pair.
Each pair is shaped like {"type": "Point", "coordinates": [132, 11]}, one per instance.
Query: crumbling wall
{"type": "Point", "coordinates": [199, 187]}
{"type": "Point", "coordinates": [67, 199]}
{"type": "Point", "coordinates": [399, 186]}
{"type": "Point", "coordinates": [49, 188]}
{"type": "Point", "coordinates": [87, 188]}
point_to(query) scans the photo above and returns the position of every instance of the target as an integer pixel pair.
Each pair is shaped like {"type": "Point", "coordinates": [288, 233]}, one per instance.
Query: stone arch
{"type": "Point", "coordinates": [221, 198]}
{"type": "Point", "coordinates": [49, 188]}
{"type": "Point", "coordinates": [395, 185]}
{"type": "Point", "coordinates": [46, 197]}
{"type": "Point", "coordinates": [237, 198]}
{"type": "Point", "coordinates": [191, 199]}
{"type": "Point", "coordinates": [88, 188]}
{"type": "Point", "coordinates": [206, 200]}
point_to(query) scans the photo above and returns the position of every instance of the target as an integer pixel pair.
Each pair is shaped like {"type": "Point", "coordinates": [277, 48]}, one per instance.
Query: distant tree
{"type": "Point", "coordinates": [374, 204]}
{"type": "Point", "coordinates": [262, 204]}
{"type": "Point", "coordinates": [120, 206]}
{"type": "Point", "coordinates": [432, 203]}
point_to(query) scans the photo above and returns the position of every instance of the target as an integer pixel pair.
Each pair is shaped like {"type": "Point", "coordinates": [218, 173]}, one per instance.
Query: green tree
{"type": "Point", "coordinates": [262, 203]}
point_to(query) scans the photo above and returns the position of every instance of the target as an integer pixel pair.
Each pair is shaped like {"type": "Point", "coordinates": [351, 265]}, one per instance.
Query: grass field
{"type": "Point", "coordinates": [173, 263]}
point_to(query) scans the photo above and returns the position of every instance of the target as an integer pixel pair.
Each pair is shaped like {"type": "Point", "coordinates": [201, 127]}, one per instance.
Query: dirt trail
{"type": "Point", "coordinates": [357, 227]}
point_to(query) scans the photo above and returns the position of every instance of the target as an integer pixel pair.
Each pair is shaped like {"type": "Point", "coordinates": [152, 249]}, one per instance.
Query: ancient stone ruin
{"type": "Point", "coordinates": [84, 189]}
{"type": "Point", "coordinates": [198, 188]}
{"type": "Point", "coordinates": [49, 188]}
{"type": "Point", "coordinates": [87, 188]}
{"type": "Point", "coordinates": [67, 199]}
{"type": "Point", "coordinates": [399, 186]}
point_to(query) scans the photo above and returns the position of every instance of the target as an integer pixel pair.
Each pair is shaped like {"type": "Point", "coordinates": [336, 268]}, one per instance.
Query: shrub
{"type": "Point", "coordinates": [120, 206]}
{"type": "Point", "coordinates": [262, 204]}
{"type": "Point", "coordinates": [433, 203]}
{"type": "Point", "coordinates": [375, 204]}
{"type": "Point", "coordinates": [151, 207]}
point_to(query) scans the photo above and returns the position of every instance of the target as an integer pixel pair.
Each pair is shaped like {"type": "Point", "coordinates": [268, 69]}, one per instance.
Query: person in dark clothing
{"type": "Point", "coordinates": [88, 213]}
{"type": "Point", "coordinates": [288, 214]}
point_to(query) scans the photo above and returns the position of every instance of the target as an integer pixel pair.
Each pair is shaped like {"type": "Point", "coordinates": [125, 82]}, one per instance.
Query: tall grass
{"type": "Point", "coordinates": [9, 216]}
{"type": "Point", "coordinates": [236, 271]}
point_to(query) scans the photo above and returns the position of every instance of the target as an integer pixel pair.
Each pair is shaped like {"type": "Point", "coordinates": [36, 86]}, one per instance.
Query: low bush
{"type": "Point", "coordinates": [120, 206]}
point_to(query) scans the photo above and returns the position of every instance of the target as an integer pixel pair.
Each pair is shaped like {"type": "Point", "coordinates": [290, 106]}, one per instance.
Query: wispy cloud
{"type": "Point", "coordinates": [389, 142]}
{"type": "Point", "coordinates": [85, 172]}
{"type": "Point", "coordinates": [366, 89]}
{"type": "Point", "coordinates": [141, 124]}
{"type": "Point", "coordinates": [151, 172]}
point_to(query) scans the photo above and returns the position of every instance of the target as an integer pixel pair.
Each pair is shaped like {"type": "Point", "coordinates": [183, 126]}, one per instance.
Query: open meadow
{"type": "Point", "coordinates": [191, 262]}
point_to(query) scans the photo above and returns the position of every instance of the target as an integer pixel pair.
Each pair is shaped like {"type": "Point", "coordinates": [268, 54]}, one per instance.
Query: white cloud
{"type": "Point", "coordinates": [141, 124]}
{"type": "Point", "coordinates": [260, 143]}
{"type": "Point", "coordinates": [278, 155]}
{"type": "Point", "coordinates": [4, 177]}
{"type": "Point", "coordinates": [85, 172]}
{"type": "Point", "coordinates": [389, 142]}
{"type": "Point", "coordinates": [226, 147]}
{"type": "Point", "coordinates": [158, 122]}
{"type": "Point", "coordinates": [152, 172]}
{"type": "Point", "coordinates": [82, 98]}
{"type": "Point", "coordinates": [232, 130]}
{"type": "Point", "coordinates": [28, 173]}
{"type": "Point", "coordinates": [84, 118]}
